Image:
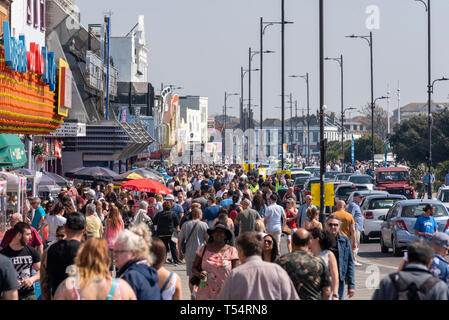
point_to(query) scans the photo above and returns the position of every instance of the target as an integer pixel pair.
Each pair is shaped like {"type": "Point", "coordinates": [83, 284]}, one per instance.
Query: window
{"type": "Point", "coordinates": [418, 210]}
{"type": "Point", "coordinates": [376, 204]}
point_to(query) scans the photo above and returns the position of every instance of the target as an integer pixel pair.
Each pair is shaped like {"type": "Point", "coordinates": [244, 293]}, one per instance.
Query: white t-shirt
{"type": "Point", "coordinates": [220, 193]}
{"type": "Point", "coordinates": [53, 223]}
{"type": "Point", "coordinates": [274, 212]}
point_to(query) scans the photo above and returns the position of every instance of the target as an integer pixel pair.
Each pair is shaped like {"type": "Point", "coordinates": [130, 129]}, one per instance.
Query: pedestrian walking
{"type": "Point", "coordinates": [169, 283]}
{"type": "Point", "coordinates": [256, 279]}
{"type": "Point", "coordinates": [93, 281]}
{"type": "Point", "coordinates": [134, 262]}
{"type": "Point", "coordinates": [94, 227]}
{"type": "Point", "coordinates": [312, 219]}
{"type": "Point", "coordinates": [8, 280]}
{"type": "Point", "coordinates": [62, 254]}
{"type": "Point", "coordinates": [24, 258]}
{"type": "Point", "coordinates": [347, 227]}
{"type": "Point", "coordinates": [194, 232]}
{"type": "Point", "coordinates": [414, 282]}
{"type": "Point", "coordinates": [114, 225]}
{"type": "Point", "coordinates": [274, 215]}
{"type": "Point", "coordinates": [247, 217]}
{"type": "Point", "coordinates": [214, 261]}
{"type": "Point", "coordinates": [356, 212]}
{"type": "Point", "coordinates": [343, 252]}
{"type": "Point", "coordinates": [270, 251]}
{"type": "Point", "coordinates": [322, 241]}
{"type": "Point", "coordinates": [167, 223]}
{"type": "Point", "coordinates": [309, 274]}
{"type": "Point", "coordinates": [425, 225]}
{"type": "Point", "coordinates": [302, 211]}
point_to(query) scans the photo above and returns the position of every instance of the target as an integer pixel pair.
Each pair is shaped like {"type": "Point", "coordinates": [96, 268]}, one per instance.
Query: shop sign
{"type": "Point", "coordinates": [37, 61]}
{"type": "Point", "coordinates": [70, 129]}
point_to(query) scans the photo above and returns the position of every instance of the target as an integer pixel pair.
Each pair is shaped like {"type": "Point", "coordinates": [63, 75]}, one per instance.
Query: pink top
{"type": "Point", "coordinates": [218, 267]}
{"type": "Point", "coordinates": [111, 233]}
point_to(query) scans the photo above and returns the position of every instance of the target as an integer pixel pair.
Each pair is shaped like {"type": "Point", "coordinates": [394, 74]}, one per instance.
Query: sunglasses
{"type": "Point", "coordinates": [268, 241]}
{"type": "Point", "coordinates": [332, 224]}
{"type": "Point", "coordinates": [60, 235]}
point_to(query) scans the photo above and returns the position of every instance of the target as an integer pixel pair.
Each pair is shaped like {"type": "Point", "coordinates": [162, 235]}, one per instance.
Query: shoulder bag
{"type": "Point", "coordinates": [184, 241]}
{"type": "Point", "coordinates": [195, 281]}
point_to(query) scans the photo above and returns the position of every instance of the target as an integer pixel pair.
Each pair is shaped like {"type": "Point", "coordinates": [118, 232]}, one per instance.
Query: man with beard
{"type": "Point", "coordinates": [24, 258]}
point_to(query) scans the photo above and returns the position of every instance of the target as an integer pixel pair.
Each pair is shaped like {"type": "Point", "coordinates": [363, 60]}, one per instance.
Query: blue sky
{"type": "Point", "coordinates": [201, 45]}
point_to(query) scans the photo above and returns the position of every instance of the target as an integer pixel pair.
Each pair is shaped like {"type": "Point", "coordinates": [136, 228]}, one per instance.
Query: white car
{"type": "Point", "coordinates": [362, 179]}
{"type": "Point", "coordinates": [373, 207]}
{"type": "Point", "coordinates": [443, 195]}
{"type": "Point", "coordinates": [300, 173]}
{"type": "Point", "coordinates": [315, 171]}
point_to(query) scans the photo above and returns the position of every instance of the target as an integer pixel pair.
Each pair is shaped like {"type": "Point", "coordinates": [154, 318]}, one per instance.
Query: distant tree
{"type": "Point", "coordinates": [362, 148]}
{"type": "Point", "coordinates": [380, 120]}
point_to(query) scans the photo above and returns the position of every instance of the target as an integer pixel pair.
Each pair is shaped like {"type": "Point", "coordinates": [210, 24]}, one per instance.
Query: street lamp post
{"type": "Point", "coordinates": [343, 126]}
{"type": "Point", "coordinates": [242, 75]}
{"type": "Point", "coordinates": [369, 39]}
{"type": "Point", "coordinates": [306, 78]}
{"type": "Point", "coordinates": [223, 151]}
{"type": "Point", "coordinates": [340, 62]}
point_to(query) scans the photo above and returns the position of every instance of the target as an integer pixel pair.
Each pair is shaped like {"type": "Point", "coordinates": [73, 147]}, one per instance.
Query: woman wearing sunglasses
{"type": "Point", "coordinates": [270, 249]}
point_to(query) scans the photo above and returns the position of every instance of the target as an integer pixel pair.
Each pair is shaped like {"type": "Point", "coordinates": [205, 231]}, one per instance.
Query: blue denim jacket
{"type": "Point", "coordinates": [345, 261]}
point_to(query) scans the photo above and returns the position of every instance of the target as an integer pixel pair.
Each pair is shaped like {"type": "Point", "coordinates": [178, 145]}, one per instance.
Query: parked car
{"type": "Point", "coordinates": [395, 180]}
{"type": "Point", "coordinates": [343, 176]}
{"type": "Point", "coordinates": [315, 171]}
{"type": "Point", "coordinates": [373, 207]}
{"type": "Point", "coordinates": [362, 179]}
{"type": "Point", "coordinates": [366, 193]}
{"type": "Point", "coordinates": [397, 226]}
{"type": "Point", "coordinates": [331, 174]}
{"type": "Point", "coordinates": [443, 195]}
{"type": "Point", "coordinates": [299, 185]}
{"type": "Point", "coordinates": [343, 191]}
{"type": "Point", "coordinates": [300, 173]}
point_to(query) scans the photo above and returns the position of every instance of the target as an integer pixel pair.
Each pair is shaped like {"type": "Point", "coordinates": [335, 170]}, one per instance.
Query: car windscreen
{"type": "Point", "coordinates": [415, 211]}
{"type": "Point", "coordinates": [346, 191]}
{"type": "Point", "coordinates": [444, 196]}
{"type": "Point", "coordinates": [382, 203]}
{"type": "Point", "coordinates": [301, 180]}
{"type": "Point", "coordinates": [361, 179]}
{"type": "Point", "coordinates": [392, 176]}
{"type": "Point", "coordinates": [342, 176]}
{"type": "Point", "coordinates": [300, 175]}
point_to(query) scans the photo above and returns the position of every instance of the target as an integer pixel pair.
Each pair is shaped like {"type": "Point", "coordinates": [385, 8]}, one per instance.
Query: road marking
{"type": "Point", "coordinates": [377, 264]}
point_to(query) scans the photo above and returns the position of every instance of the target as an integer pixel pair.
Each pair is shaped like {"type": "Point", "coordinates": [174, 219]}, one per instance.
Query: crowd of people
{"type": "Point", "coordinates": [97, 242]}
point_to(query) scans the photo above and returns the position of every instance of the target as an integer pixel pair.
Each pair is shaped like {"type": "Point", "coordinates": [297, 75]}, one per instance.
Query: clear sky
{"type": "Point", "coordinates": [200, 45]}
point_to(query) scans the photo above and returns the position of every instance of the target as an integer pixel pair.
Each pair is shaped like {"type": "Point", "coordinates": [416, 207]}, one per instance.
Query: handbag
{"type": "Point", "coordinates": [195, 281]}
{"type": "Point", "coordinates": [286, 229]}
{"type": "Point", "coordinates": [184, 241]}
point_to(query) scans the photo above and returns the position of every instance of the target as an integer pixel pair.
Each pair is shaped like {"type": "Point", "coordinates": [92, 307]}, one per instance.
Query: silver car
{"type": "Point", "coordinates": [397, 229]}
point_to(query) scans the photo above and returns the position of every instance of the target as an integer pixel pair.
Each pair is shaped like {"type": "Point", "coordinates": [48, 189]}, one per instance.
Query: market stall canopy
{"type": "Point", "coordinates": [60, 181]}
{"type": "Point", "coordinates": [12, 151]}
{"type": "Point", "coordinates": [94, 173]}
{"type": "Point", "coordinates": [146, 185]}
{"type": "Point", "coordinates": [142, 173]}
{"type": "Point", "coordinates": [12, 181]}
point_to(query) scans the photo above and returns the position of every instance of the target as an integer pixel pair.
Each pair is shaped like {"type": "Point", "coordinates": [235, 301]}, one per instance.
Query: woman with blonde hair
{"type": "Point", "coordinates": [133, 260]}
{"type": "Point", "coordinates": [91, 279]}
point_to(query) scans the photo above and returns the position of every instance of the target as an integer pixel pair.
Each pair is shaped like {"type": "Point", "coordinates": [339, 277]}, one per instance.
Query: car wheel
{"type": "Point", "coordinates": [397, 252]}
{"type": "Point", "coordinates": [364, 238]}
{"type": "Point", "coordinates": [383, 247]}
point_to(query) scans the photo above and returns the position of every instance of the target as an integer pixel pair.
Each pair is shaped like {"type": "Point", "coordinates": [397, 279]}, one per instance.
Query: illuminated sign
{"type": "Point", "coordinates": [65, 88]}
{"type": "Point", "coordinates": [18, 59]}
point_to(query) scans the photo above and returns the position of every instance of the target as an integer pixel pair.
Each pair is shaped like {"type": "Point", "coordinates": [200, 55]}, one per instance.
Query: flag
{"type": "Point", "coordinates": [386, 152]}
{"type": "Point", "coordinates": [57, 149]}
{"type": "Point", "coordinates": [352, 149]}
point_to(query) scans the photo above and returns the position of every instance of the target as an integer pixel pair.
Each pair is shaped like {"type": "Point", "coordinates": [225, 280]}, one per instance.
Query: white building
{"type": "Point", "coordinates": [29, 18]}
{"type": "Point", "coordinates": [193, 111]}
{"type": "Point", "coordinates": [130, 54]}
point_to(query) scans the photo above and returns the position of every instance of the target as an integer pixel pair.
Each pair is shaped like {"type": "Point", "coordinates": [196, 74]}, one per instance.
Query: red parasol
{"type": "Point", "coordinates": [146, 185]}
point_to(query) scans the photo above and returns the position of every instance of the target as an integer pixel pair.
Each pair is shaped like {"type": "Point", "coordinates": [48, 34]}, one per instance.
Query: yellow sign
{"type": "Point", "coordinates": [284, 172]}
{"type": "Point", "coordinates": [328, 194]}
{"type": "Point", "coordinates": [65, 88]}
{"type": "Point", "coordinates": [245, 167]}
{"type": "Point", "coordinates": [285, 147]}
{"type": "Point", "coordinates": [263, 173]}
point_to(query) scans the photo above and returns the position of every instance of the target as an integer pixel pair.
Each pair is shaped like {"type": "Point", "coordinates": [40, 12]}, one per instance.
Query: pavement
{"type": "Point", "coordinates": [374, 267]}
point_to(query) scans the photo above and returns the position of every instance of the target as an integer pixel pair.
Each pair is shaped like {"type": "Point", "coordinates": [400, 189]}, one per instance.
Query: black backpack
{"type": "Point", "coordinates": [411, 291]}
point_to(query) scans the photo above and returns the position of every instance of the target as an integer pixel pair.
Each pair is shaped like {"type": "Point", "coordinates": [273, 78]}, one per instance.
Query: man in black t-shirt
{"type": "Point", "coordinates": [62, 254]}
{"type": "Point", "coordinates": [8, 280]}
{"type": "Point", "coordinates": [24, 258]}
{"type": "Point", "coordinates": [166, 223]}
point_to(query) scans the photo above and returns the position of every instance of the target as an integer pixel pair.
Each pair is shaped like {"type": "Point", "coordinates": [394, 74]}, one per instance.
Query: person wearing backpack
{"type": "Point", "coordinates": [414, 282]}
